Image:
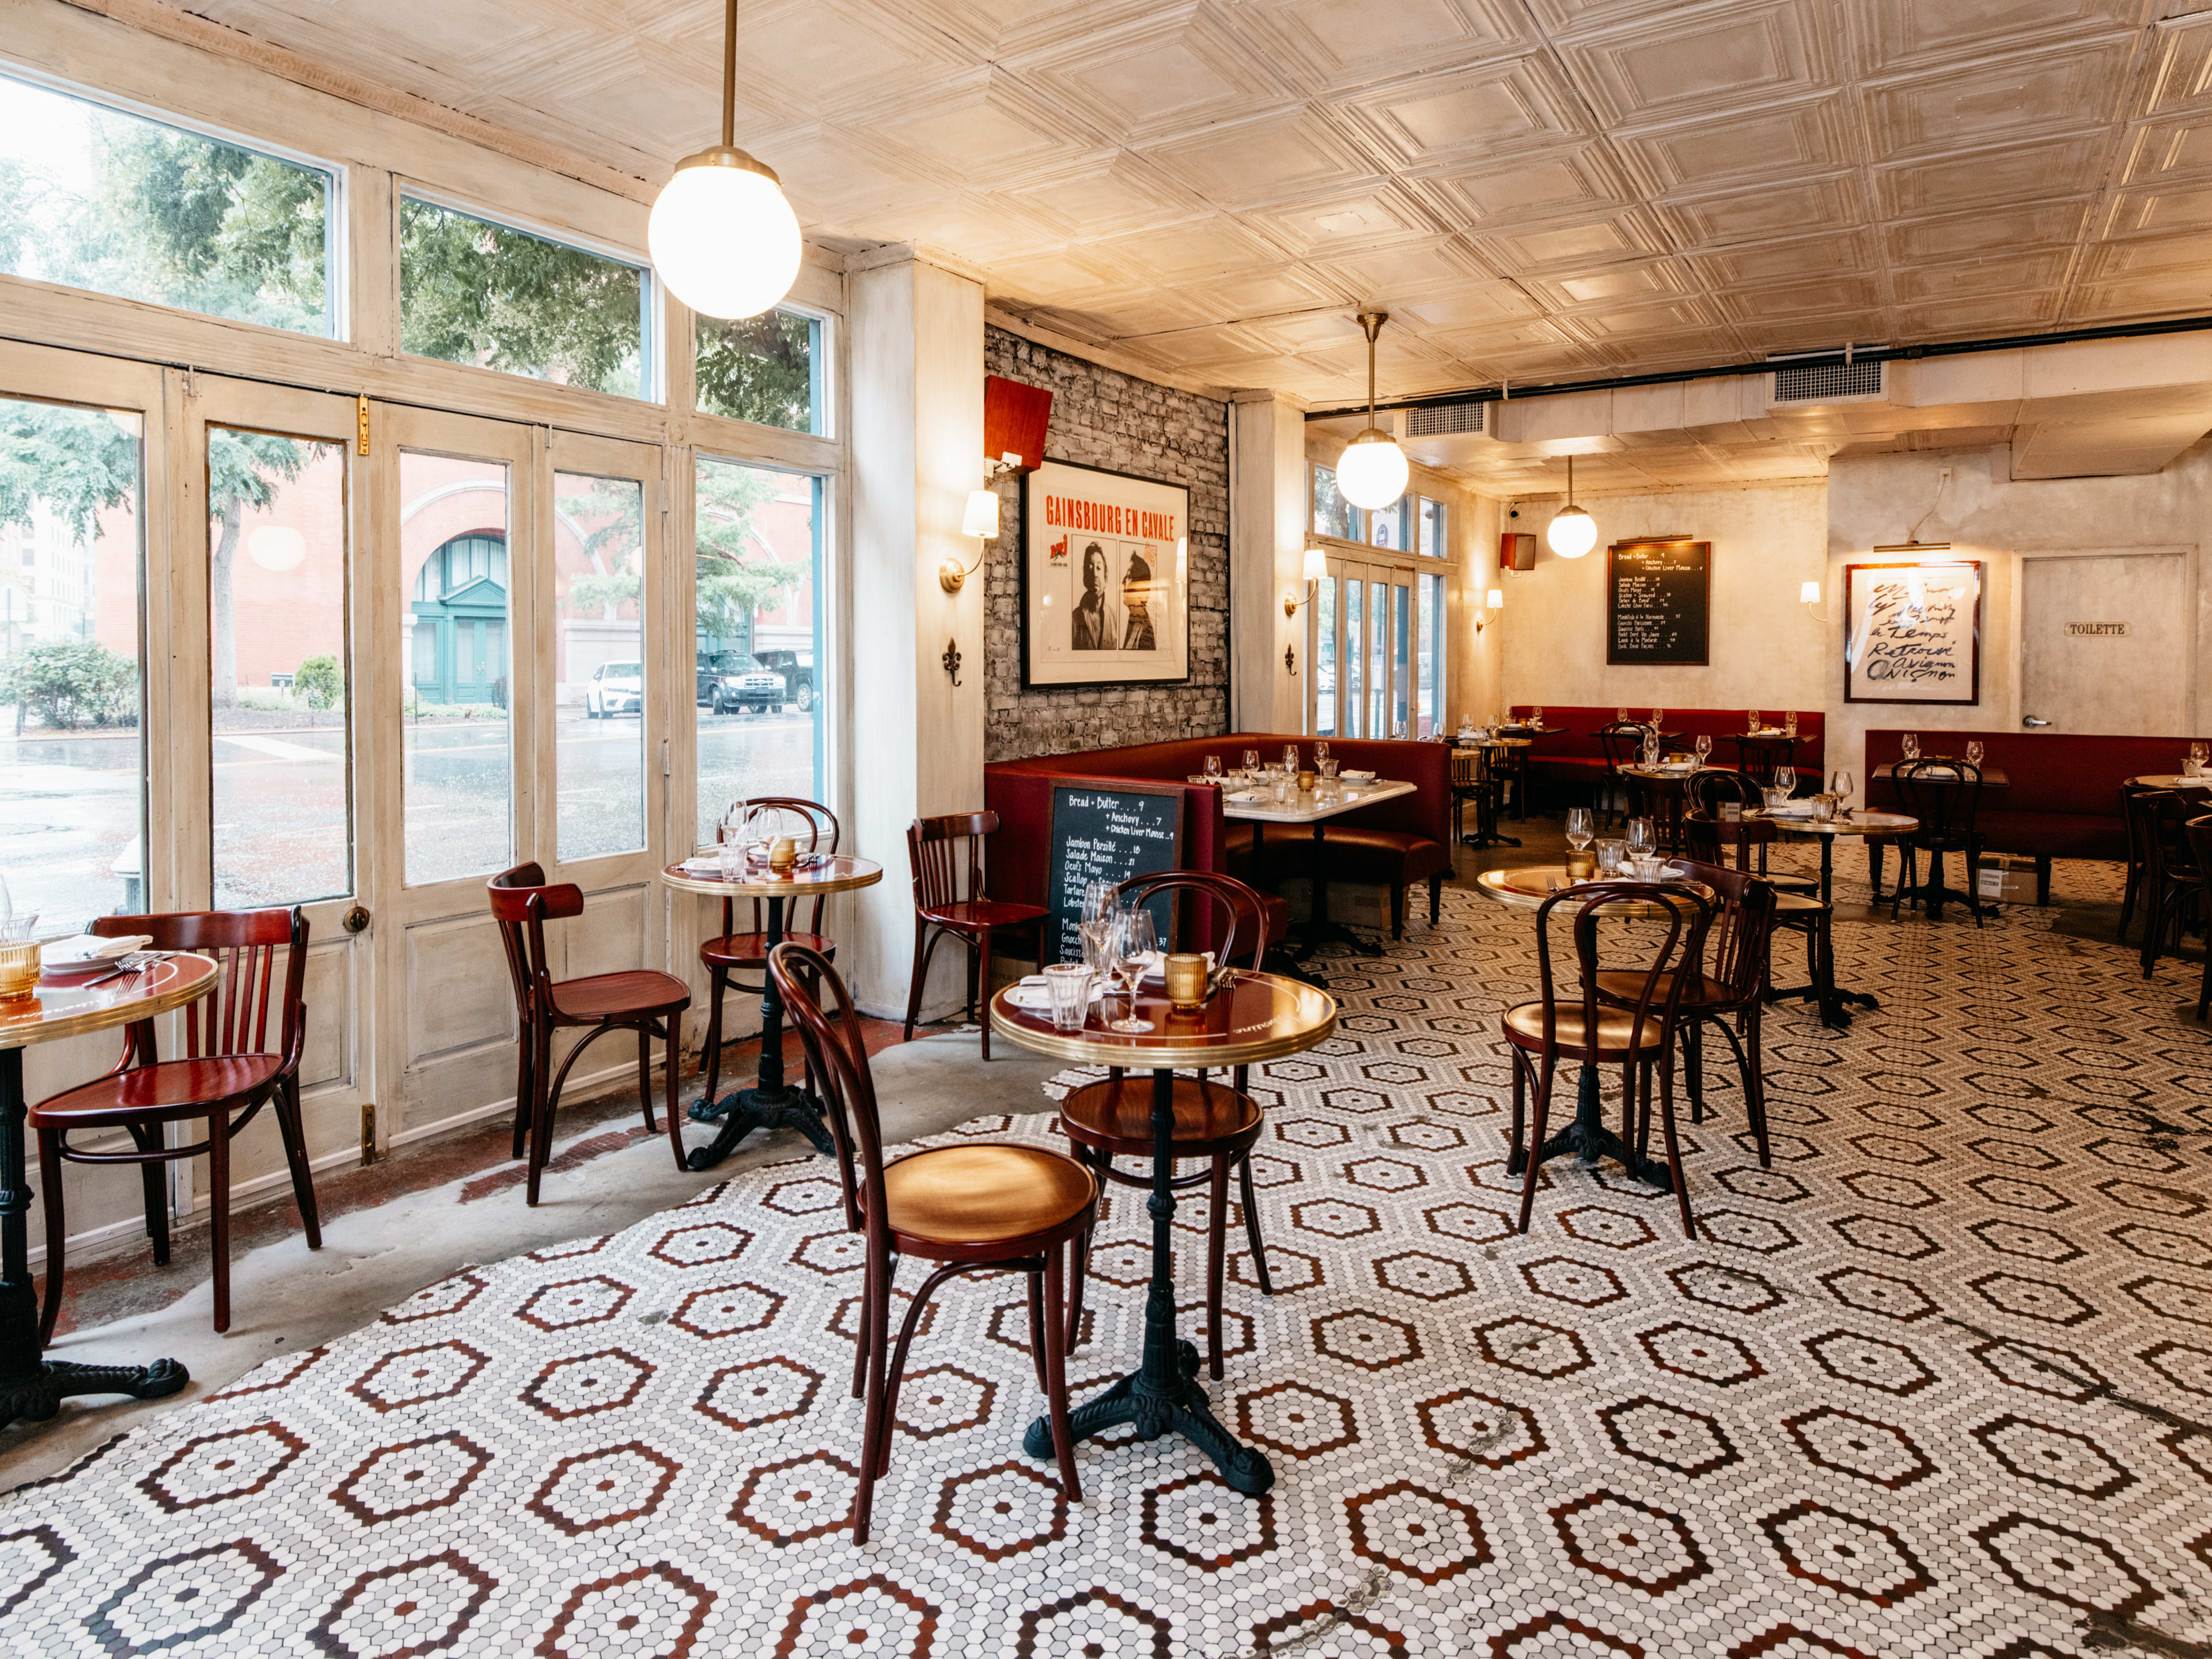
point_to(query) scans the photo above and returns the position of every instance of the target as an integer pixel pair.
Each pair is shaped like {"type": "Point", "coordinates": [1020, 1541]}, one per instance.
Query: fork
{"type": "Point", "coordinates": [130, 963]}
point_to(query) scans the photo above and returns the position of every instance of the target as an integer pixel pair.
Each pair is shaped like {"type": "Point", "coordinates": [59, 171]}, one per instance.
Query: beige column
{"type": "Point", "coordinates": [1267, 553]}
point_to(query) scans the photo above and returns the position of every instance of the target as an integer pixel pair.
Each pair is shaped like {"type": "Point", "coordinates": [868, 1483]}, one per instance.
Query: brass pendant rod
{"type": "Point", "coordinates": [729, 83]}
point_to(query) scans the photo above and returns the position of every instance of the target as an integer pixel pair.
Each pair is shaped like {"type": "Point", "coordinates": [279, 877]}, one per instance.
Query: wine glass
{"type": "Point", "coordinates": [1911, 745]}
{"type": "Point", "coordinates": [1789, 724]}
{"type": "Point", "coordinates": [1132, 947]}
{"type": "Point", "coordinates": [1641, 841]}
{"type": "Point", "coordinates": [1578, 827]}
{"type": "Point", "coordinates": [1650, 746]}
{"type": "Point", "coordinates": [1290, 758]}
{"type": "Point", "coordinates": [1098, 901]}
{"type": "Point", "coordinates": [1535, 719]}
{"type": "Point", "coordinates": [1251, 763]}
{"type": "Point", "coordinates": [1620, 716]}
{"type": "Point", "coordinates": [1840, 787]}
{"type": "Point", "coordinates": [1785, 780]}
{"type": "Point", "coordinates": [2197, 752]}
{"type": "Point", "coordinates": [1658, 719]}
{"type": "Point", "coordinates": [1213, 769]}
{"type": "Point", "coordinates": [1975, 750]}
{"type": "Point", "coordinates": [1751, 719]}
{"type": "Point", "coordinates": [1320, 752]}
{"type": "Point", "coordinates": [1704, 746]}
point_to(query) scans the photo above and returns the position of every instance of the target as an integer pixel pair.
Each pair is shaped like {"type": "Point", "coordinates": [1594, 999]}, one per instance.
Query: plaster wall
{"type": "Point", "coordinates": [1987, 514]}
{"type": "Point", "coordinates": [1767, 649]}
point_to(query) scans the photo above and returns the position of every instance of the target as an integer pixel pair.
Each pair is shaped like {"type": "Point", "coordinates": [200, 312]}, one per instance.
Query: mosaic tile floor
{"type": "Point", "coordinates": [1938, 1382]}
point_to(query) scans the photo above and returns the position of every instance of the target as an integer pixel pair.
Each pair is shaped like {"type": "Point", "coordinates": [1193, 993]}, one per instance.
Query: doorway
{"type": "Point", "coordinates": [2108, 642]}
{"type": "Point", "coordinates": [1366, 638]}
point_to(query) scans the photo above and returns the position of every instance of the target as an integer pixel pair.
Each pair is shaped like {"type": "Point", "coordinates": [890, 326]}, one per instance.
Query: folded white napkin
{"type": "Point", "coordinates": [90, 947]}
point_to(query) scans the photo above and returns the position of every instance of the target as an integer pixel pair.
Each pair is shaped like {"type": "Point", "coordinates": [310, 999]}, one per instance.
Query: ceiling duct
{"type": "Point", "coordinates": [1823, 383]}
{"type": "Point", "coordinates": [1443, 420]}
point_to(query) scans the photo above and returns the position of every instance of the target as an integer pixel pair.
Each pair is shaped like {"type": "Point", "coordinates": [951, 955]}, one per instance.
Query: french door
{"type": "Point", "coordinates": [1363, 639]}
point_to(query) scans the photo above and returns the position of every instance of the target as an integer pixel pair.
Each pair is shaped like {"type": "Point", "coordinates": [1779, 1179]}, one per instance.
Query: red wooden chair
{"type": "Point", "coordinates": [735, 952]}
{"type": "Point", "coordinates": [640, 1000]}
{"type": "Point", "coordinates": [938, 849]}
{"type": "Point", "coordinates": [227, 1075]}
{"type": "Point", "coordinates": [975, 1208]}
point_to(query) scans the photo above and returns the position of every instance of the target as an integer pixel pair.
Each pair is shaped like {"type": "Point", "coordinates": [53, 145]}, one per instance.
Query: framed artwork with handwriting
{"type": "Point", "coordinates": [1913, 632]}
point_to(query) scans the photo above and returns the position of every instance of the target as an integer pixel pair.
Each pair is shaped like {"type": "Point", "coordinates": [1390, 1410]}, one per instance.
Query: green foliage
{"type": "Point", "coordinates": [732, 580]}
{"type": "Point", "coordinates": [474, 292]}
{"type": "Point", "coordinates": [319, 682]}
{"type": "Point", "coordinates": [72, 683]}
{"type": "Point", "coordinates": [77, 462]}
{"type": "Point", "coordinates": [758, 369]}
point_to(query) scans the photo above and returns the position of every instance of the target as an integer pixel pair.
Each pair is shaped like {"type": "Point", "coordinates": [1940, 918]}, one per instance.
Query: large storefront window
{"type": "Point", "coordinates": [758, 632]}
{"type": "Point", "coordinates": [72, 699]}
{"type": "Point", "coordinates": [766, 369]}
{"type": "Point", "coordinates": [600, 665]}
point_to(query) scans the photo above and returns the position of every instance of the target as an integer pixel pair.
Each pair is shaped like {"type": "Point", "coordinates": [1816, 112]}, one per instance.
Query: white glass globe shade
{"type": "Point", "coordinates": [1572, 533]}
{"type": "Point", "coordinates": [724, 240]}
{"type": "Point", "coordinates": [276, 547]}
{"type": "Point", "coordinates": [1372, 472]}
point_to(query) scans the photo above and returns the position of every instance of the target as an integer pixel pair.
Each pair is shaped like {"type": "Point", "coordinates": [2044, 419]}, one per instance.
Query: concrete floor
{"type": "Point", "coordinates": [285, 1298]}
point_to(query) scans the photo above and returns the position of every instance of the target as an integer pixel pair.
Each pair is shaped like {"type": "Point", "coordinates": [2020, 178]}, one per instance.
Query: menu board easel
{"type": "Point", "coordinates": [1658, 594]}
{"type": "Point", "coordinates": [1106, 829]}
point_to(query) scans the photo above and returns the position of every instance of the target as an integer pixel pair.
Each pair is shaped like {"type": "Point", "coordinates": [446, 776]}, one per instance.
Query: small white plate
{"type": "Point", "coordinates": [1357, 777]}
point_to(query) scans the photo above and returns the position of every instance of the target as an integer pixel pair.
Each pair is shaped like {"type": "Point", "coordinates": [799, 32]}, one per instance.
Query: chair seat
{"type": "Point", "coordinates": [968, 914]}
{"type": "Point", "coordinates": [1524, 1027]}
{"type": "Point", "coordinates": [751, 950]}
{"type": "Point", "coordinates": [175, 1088]}
{"type": "Point", "coordinates": [961, 1198]}
{"type": "Point", "coordinates": [632, 991]}
{"type": "Point", "coordinates": [1626, 985]}
{"type": "Point", "coordinates": [1116, 1116]}
{"type": "Point", "coordinates": [1796, 907]}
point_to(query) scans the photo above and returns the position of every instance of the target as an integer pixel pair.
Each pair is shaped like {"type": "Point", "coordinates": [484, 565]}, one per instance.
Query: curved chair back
{"type": "Point", "coordinates": [1687, 917]}
{"type": "Point", "coordinates": [946, 856]}
{"type": "Point", "coordinates": [805, 981]}
{"type": "Point", "coordinates": [1705, 839]}
{"type": "Point", "coordinates": [1756, 758]}
{"type": "Point", "coordinates": [822, 836]}
{"type": "Point", "coordinates": [2199, 831]}
{"type": "Point", "coordinates": [1622, 742]}
{"type": "Point", "coordinates": [2168, 812]}
{"type": "Point", "coordinates": [1742, 927]}
{"type": "Point", "coordinates": [1709, 788]}
{"type": "Point", "coordinates": [1944, 794]}
{"type": "Point", "coordinates": [233, 1019]}
{"type": "Point", "coordinates": [1246, 911]}
{"type": "Point", "coordinates": [521, 903]}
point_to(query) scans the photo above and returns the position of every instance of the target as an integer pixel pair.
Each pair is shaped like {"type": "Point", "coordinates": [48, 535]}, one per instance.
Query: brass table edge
{"type": "Point", "coordinates": [715, 887]}
{"type": "Point", "coordinates": [84, 1023]}
{"type": "Point", "coordinates": [1148, 1053]}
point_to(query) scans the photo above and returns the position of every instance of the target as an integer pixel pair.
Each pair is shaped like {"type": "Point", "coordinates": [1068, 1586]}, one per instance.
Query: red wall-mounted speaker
{"type": "Point", "coordinates": [1014, 421]}
{"type": "Point", "coordinates": [1516, 552]}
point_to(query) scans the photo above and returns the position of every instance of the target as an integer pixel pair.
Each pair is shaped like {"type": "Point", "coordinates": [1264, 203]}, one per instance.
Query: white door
{"type": "Point", "coordinates": [2106, 643]}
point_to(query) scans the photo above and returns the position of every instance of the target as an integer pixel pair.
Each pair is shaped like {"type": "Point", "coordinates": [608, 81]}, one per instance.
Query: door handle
{"type": "Point", "coordinates": [2031, 722]}
{"type": "Point", "coordinates": [355, 920]}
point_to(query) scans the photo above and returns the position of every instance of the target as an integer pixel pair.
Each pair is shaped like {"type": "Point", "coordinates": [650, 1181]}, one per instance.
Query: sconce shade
{"type": "Point", "coordinates": [1316, 564]}
{"type": "Point", "coordinates": [1809, 594]}
{"type": "Point", "coordinates": [1495, 600]}
{"type": "Point", "coordinates": [981, 518]}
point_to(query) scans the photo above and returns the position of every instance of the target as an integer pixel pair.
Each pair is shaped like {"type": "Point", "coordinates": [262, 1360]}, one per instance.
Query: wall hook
{"type": "Point", "coordinates": [951, 660]}
{"type": "Point", "coordinates": [1291, 658]}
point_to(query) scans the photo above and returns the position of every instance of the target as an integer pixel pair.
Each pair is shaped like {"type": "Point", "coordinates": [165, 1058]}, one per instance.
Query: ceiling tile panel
{"type": "Point", "coordinates": [1990, 103]}
{"type": "Point", "coordinates": [2139, 212]}
{"type": "Point", "coordinates": [985, 127]}
{"type": "Point", "coordinates": [1212, 247]}
{"type": "Point", "coordinates": [1702, 60]}
{"type": "Point", "coordinates": [1810, 135]}
{"type": "Point", "coordinates": [1329, 224]}
{"type": "Point", "coordinates": [1277, 160]}
{"type": "Point", "coordinates": [1795, 260]}
{"type": "Point", "coordinates": [1747, 216]}
{"type": "Point", "coordinates": [1343, 43]}
{"type": "Point", "coordinates": [2030, 173]}
{"type": "Point", "coordinates": [1568, 249]}
{"type": "Point", "coordinates": [1106, 196]}
{"type": "Point", "coordinates": [1891, 35]}
{"type": "Point", "coordinates": [1976, 277]}
{"type": "Point", "coordinates": [1472, 117]}
{"type": "Point", "coordinates": [1990, 230]}
{"type": "Point", "coordinates": [2181, 74]}
{"type": "Point", "coordinates": [1388, 276]}
{"type": "Point", "coordinates": [1773, 299]}
{"type": "Point", "coordinates": [1173, 73]}
{"type": "Point", "coordinates": [1571, 183]}
{"type": "Point", "coordinates": [1996, 315]}
{"type": "Point", "coordinates": [2178, 149]}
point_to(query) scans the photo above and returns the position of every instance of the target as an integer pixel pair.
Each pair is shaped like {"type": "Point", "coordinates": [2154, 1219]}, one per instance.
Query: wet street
{"type": "Point", "coordinates": [69, 804]}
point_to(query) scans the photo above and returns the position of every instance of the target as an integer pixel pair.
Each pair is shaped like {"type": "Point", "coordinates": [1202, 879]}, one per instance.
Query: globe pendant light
{"type": "Point", "coordinates": [721, 235]}
{"type": "Point", "coordinates": [1372, 472]}
{"type": "Point", "coordinates": [1572, 532]}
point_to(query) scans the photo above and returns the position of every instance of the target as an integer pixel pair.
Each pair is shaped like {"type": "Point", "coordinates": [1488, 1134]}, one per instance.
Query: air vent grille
{"type": "Point", "coordinates": [1819, 383]}
{"type": "Point", "coordinates": [1442, 420]}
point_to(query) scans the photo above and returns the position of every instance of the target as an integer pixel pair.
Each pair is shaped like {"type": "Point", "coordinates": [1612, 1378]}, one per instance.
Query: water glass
{"type": "Point", "coordinates": [1069, 983]}
{"type": "Point", "coordinates": [1704, 746]}
{"type": "Point", "coordinates": [1785, 780]}
{"type": "Point", "coordinates": [1328, 765]}
{"type": "Point", "coordinates": [1213, 769]}
{"type": "Point", "coordinates": [1097, 937]}
{"type": "Point", "coordinates": [1651, 749]}
{"type": "Point", "coordinates": [1641, 842]}
{"type": "Point", "coordinates": [1284, 784]}
{"type": "Point", "coordinates": [1975, 750]}
{"type": "Point", "coordinates": [1609, 855]}
{"type": "Point", "coordinates": [1824, 808]}
{"type": "Point", "coordinates": [1098, 900]}
{"type": "Point", "coordinates": [1578, 827]}
{"type": "Point", "coordinates": [1911, 745]}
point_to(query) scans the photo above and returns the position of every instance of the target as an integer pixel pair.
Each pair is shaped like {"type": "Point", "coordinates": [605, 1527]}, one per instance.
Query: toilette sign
{"type": "Point", "coordinates": [1105, 578]}
{"type": "Point", "coordinates": [1914, 632]}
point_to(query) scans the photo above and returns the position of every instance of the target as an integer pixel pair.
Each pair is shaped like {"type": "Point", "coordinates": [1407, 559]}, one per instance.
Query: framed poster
{"type": "Point", "coordinates": [1658, 599]}
{"type": "Point", "coordinates": [1912, 633]}
{"type": "Point", "coordinates": [1105, 594]}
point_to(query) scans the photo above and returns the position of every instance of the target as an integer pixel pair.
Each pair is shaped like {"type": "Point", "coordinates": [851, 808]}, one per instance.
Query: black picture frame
{"type": "Point", "coordinates": [1854, 583]}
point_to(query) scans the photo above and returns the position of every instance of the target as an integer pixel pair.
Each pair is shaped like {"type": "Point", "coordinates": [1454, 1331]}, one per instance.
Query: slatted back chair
{"type": "Point", "coordinates": [822, 834]}
{"type": "Point", "coordinates": [2135, 813]}
{"type": "Point", "coordinates": [946, 856]}
{"type": "Point", "coordinates": [640, 1000]}
{"type": "Point", "coordinates": [814, 828]}
{"type": "Point", "coordinates": [2199, 831]}
{"type": "Point", "coordinates": [228, 1072]}
{"type": "Point", "coordinates": [1944, 796]}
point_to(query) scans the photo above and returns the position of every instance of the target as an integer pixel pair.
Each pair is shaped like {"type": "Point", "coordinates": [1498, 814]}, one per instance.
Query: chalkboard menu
{"type": "Point", "coordinates": [1106, 830]}
{"type": "Point", "coordinates": [1656, 595]}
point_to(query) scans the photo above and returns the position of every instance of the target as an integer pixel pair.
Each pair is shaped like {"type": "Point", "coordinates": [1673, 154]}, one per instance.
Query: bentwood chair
{"type": "Point", "coordinates": [732, 953]}
{"type": "Point", "coordinates": [2174, 885]}
{"type": "Point", "coordinates": [1636, 1033]}
{"type": "Point", "coordinates": [1710, 790]}
{"type": "Point", "coordinates": [640, 1000]}
{"type": "Point", "coordinates": [1621, 742]}
{"type": "Point", "coordinates": [2200, 844]}
{"type": "Point", "coordinates": [1795, 909]}
{"type": "Point", "coordinates": [974, 1207]}
{"type": "Point", "coordinates": [946, 856]}
{"type": "Point", "coordinates": [1727, 996]}
{"type": "Point", "coordinates": [1943, 795]}
{"type": "Point", "coordinates": [229, 1073]}
{"type": "Point", "coordinates": [1216, 1124]}
{"type": "Point", "coordinates": [2135, 813]}
{"type": "Point", "coordinates": [1756, 758]}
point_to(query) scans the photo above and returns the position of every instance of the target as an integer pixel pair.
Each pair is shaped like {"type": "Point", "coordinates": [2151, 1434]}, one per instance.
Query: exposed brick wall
{"type": "Point", "coordinates": [1103, 418]}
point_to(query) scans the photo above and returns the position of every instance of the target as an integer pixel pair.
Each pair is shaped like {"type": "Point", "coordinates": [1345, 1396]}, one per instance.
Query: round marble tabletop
{"type": "Point", "coordinates": [66, 1006]}
{"type": "Point", "coordinates": [1260, 1017]}
{"type": "Point", "coordinates": [832, 872]}
{"type": "Point", "coordinates": [2171, 781]}
{"type": "Point", "coordinates": [1860, 823]}
{"type": "Point", "coordinates": [1525, 887]}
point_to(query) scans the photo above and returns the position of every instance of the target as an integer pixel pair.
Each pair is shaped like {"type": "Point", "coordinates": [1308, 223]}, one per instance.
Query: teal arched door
{"type": "Point", "coordinates": [460, 644]}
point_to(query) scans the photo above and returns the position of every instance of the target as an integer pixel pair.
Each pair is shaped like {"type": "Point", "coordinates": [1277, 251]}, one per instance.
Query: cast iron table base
{"type": "Point", "coordinates": [1836, 1009]}
{"type": "Point", "coordinates": [770, 1103]}
{"type": "Point", "coordinates": [30, 1388]}
{"type": "Point", "coordinates": [1163, 1396]}
{"type": "Point", "coordinates": [1319, 929]}
{"type": "Point", "coordinates": [1589, 1140]}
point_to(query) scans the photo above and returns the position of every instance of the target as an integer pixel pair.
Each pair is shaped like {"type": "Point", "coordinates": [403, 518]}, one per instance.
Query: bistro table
{"type": "Point", "coordinates": [1499, 763]}
{"type": "Point", "coordinates": [65, 1006]}
{"type": "Point", "coordinates": [1668, 788]}
{"type": "Point", "coordinates": [1311, 806]}
{"type": "Point", "coordinates": [1256, 1017]}
{"type": "Point", "coordinates": [2168, 781]}
{"type": "Point", "coordinates": [1527, 887]}
{"type": "Point", "coordinates": [1860, 823]}
{"type": "Point", "coordinates": [770, 1103]}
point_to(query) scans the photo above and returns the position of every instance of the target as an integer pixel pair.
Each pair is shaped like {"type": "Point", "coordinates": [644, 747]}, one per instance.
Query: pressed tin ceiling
{"type": "Point", "coordinates": [1545, 191]}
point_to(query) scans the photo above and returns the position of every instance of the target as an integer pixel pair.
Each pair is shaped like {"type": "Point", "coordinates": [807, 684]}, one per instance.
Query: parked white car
{"type": "Point", "coordinates": [616, 688]}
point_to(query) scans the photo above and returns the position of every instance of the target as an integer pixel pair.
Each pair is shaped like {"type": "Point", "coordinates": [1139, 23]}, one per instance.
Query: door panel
{"type": "Point", "coordinates": [2133, 684]}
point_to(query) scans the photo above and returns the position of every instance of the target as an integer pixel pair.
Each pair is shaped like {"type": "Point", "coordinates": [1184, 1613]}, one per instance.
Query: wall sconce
{"type": "Point", "coordinates": [981, 520]}
{"type": "Point", "coordinates": [1316, 569]}
{"type": "Point", "coordinates": [1493, 603]}
{"type": "Point", "coordinates": [1809, 595]}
